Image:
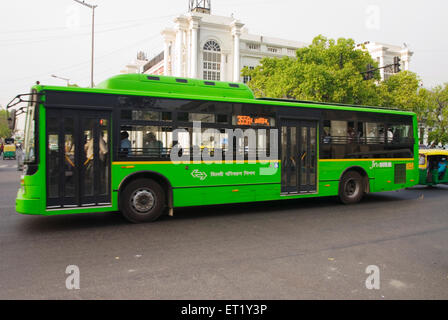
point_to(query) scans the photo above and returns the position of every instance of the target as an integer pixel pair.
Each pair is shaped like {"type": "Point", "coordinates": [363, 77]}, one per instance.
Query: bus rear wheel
{"type": "Point", "coordinates": [351, 188]}
{"type": "Point", "coordinates": [143, 200]}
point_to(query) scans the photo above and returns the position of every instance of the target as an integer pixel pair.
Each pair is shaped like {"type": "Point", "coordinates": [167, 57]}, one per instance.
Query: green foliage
{"type": "Point", "coordinates": [437, 102]}
{"type": "Point", "coordinates": [331, 71]}
{"type": "Point", "coordinates": [326, 71]}
{"type": "Point", "coordinates": [5, 132]}
{"type": "Point", "coordinates": [403, 91]}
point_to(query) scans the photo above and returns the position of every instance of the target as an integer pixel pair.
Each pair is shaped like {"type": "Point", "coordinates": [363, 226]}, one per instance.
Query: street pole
{"type": "Point", "coordinates": [61, 78]}
{"type": "Point", "coordinates": [93, 7]}
{"type": "Point", "coordinates": [93, 47]}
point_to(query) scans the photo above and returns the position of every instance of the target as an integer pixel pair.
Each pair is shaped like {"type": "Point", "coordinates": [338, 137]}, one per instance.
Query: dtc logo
{"type": "Point", "coordinates": [199, 175]}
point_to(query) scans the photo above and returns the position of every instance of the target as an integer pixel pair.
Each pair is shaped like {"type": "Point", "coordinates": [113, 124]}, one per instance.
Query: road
{"type": "Point", "coordinates": [305, 249]}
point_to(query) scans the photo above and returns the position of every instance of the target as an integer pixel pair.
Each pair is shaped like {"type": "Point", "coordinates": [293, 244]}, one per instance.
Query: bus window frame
{"type": "Point", "coordinates": [269, 111]}
{"type": "Point", "coordinates": [366, 117]}
{"type": "Point", "coordinates": [32, 165]}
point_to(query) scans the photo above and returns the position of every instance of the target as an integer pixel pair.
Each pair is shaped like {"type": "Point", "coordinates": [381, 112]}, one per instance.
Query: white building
{"type": "Point", "coordinates": [384, 54]}
{"type": "Point", "coordinates": [211, 47]}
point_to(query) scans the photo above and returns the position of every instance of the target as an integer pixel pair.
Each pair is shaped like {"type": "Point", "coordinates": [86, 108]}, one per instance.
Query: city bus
{"type": "Point", "coordinates": [144, 145]}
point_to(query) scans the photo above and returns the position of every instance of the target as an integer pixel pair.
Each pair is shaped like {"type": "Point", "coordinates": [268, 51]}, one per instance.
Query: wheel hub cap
{"type": "Point", "coordinates": [142, 200]}
{"type": "Point", "coordinates": [351, 187]}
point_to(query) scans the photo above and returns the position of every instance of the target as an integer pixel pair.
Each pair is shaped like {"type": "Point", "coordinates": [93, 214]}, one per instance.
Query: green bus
{"type": "Point", "coordinates": [144, 145]}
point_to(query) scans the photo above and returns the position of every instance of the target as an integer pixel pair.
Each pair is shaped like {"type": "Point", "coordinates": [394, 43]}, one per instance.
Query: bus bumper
{"type": "Point", "coordinates": [26, 205]}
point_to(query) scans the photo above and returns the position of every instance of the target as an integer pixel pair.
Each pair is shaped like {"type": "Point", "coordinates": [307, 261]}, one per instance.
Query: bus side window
{"type": "Point", "coordinates": [146, 141]}
{"type": "Point", "coordinates": [399, 133]}
{"type": "Point", "coordinates": [339, 131]}
{"type": "Point", "coordinates": [375, 133]}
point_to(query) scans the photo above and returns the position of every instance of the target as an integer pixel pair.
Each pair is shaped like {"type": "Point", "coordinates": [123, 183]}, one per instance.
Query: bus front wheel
{"type": "Point", "coordinates": [143, 200]}
{"type": "Point", "coordinates": [351, 188]}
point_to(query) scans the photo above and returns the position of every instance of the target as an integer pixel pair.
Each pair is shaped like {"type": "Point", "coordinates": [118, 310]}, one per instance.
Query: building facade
{"type": "Point", "coordinates": [211, 47]}
{"type": "Point", "coordinates": [384, 54]}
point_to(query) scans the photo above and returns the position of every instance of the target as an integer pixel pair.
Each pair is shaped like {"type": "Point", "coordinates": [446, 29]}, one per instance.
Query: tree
{"type": "Point", "coordinates": [5, 132]}
{"type": "Point", "coordinates": [326, 71]}
{"type": "Point", "coordinates": [437, 101]}
{"type": "Point", "coordinates": [403, 91]}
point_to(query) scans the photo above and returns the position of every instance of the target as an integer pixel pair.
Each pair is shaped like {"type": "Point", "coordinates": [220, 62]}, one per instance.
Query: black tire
{"type": "Point", "coordinates": [351, 188]}
{"type": "Point", "coordinates": [142, 200]}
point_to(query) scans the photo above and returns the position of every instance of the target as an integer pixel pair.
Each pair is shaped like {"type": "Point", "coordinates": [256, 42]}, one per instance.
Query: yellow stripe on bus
{"type": "Point", "coordinates": [125, 163]}
{"type": "Point", "coordinates": [191, 162]}
{"type": "Point", "coordinates": [389, 159]}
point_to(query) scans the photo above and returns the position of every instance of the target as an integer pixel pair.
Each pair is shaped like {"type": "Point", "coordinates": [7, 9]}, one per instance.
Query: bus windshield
{"type": "Point", "coordinates": [29, 143]}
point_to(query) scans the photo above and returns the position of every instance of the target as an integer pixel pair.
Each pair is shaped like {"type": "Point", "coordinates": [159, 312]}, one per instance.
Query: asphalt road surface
{"type": "Point", "coordinates": [299, 249]}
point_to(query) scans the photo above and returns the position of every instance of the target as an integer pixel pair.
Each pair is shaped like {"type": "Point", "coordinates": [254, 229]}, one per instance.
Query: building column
{"type": "Point", "coordinates": [236, 57]}
{"type": "Point", "coordinates": [166, 58]}
{"type": "Point", "coordinates": [406, 55]}
{"type": "Point", "coordinates": [223, 66]}
{"type": "Point", "coordinates": [236, 32]}
{"type": "Point", "coordinates": [382, 63]}
{"type": "Point", "coordinates": [178, 61]}
{"type": "Point", "coordinates": [181, 26]}
{"type": "Point", "coordinates": [168, 37]}
{"type": "Point", "coordinates": [194, 25]}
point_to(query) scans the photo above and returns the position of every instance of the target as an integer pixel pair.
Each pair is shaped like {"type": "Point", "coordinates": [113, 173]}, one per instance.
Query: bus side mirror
{"type": "Point", "coordinates": [12, 120]}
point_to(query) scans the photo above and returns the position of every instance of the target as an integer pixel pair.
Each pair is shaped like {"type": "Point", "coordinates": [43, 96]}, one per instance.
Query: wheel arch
{"type": "Point", "coordinates": [147, 174]}
{"type": "Point", "coordinates": [362, 172]}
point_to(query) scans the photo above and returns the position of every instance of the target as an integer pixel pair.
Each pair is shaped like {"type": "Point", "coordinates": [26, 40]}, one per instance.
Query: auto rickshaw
{"type": "Point", "coordinates": [9, 151]}
{"type": "Point", "coordinates": [430, 160]}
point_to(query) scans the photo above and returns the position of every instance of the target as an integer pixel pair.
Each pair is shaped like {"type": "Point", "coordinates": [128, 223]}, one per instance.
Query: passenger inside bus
{"type": "Point", "coordinates": [153, 146]}
{"type": "Point", "coordinates": [390, 135]}
{"type": "Point", "coordinates": [125, 144]}
{"type": "Point", "coordinates": [327, 135]}
{"type": "Point", "coordinates": [89, 152]}
{"type": "Point", "coordinates": [351, 135]}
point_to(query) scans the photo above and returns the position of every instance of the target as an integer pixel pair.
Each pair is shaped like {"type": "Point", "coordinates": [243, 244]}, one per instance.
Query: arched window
{"type": "Point", "coordinates": [212, 61]}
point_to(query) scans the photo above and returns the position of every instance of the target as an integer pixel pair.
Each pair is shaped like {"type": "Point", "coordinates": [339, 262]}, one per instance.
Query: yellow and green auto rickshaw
{"type": "Point", "coordinates": [433, 166]}
{"type": "Point", "coordinates": [9, 151]}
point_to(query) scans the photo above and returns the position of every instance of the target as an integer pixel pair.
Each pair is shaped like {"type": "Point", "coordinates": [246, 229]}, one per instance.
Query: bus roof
{"type": "Point", "coordinates": [165, 84]}
{"type": "Point", "coordinates": [186, 88]}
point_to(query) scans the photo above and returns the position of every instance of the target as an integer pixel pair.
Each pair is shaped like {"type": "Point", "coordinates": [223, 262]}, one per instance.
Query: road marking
{"type": "Point", "coordinates": [8, 166]}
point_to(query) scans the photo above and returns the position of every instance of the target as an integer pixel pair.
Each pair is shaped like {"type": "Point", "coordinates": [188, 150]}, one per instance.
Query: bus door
{"type": "Point", "coordinates": [78, 158]}
{"type": "Point", "coordinates": [299, 156]}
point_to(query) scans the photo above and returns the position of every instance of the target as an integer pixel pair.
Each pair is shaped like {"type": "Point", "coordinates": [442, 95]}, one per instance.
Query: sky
{"type": "Point", "coordinates": [41, 38]}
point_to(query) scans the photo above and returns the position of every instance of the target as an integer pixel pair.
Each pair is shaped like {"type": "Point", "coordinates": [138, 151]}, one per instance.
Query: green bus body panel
{"type": "Point", "coordinates": [169, 85]}
{"type": "Point", "coordinates": [221, 183]}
